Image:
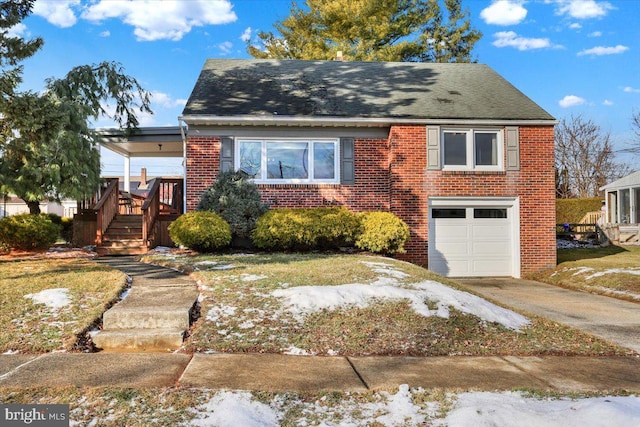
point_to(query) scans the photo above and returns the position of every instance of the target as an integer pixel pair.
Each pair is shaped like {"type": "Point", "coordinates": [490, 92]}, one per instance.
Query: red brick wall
{"type": "Point", "coordinates": [391, 175]}
{"type": "Point", "coordinates": [534, 183]}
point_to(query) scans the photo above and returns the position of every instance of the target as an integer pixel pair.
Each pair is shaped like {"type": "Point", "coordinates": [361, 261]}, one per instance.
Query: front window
{"type": "Point", "coordinates": [472, 149]}
{"type": "Point", "coordinates": [289, 161]}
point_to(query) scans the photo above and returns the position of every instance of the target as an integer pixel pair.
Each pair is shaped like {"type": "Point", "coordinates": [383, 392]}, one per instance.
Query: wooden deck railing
{"type": "Point", "coordinates": [106, 209]}
{"type": "Point", "coordinates": [150, 212]}
{"type": "Point", "coordinates": [591, 217]}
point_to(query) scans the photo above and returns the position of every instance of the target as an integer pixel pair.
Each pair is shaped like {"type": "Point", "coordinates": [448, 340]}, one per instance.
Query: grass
{"type": "Point", "coordinates": [30, 327]}
{"type": "Point", "coordinates": [239, 314]}
{"type": "Point", "coordinates": [598, 270]}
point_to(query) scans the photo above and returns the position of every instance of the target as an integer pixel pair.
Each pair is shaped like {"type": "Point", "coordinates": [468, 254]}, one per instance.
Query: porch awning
{"type": "Point", "coordinates": [144, 142]}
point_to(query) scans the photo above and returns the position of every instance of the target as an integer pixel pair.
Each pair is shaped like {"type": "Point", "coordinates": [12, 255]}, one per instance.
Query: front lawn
{"type": "Point", "coordinates": [46, 303]}
{"type": "Point", "coordinates": [612, 271]}
{"type": "Point", "coordinates": [357, 305]}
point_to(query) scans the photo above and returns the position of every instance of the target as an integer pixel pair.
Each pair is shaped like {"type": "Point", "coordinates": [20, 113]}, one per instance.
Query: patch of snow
{"type": "Point", "coordinates": [632, 271]}
{"type": "Point", "coordinates": [247, 325]}
{"type": "Point", "coordinates": [10, 352]}
{"type": "Point", "coordinates": [223, 267]}
{"type": "Point", "coordinates": [295, 351]}
{"type": "Point", "coordinates": [252, 277]}
{"type": "Point", "coordinates": [216, 313]}
{"type": "Point", "coordinates": [52, 298]}
{"type": "Point", "coordinates": [232, 409]}
{"type": "Point", "coordinates": [580, 270]}
{"type": "Point", "coordinates": [506, 409]}
{"type": "Point", "coordinates": [573, 244]}
{"type": "Point", "coordinates": [207, 262]}
{"type": "Point", "coordinates": [94, 332]}
{"type": "Point", "coordinates": [303, 300]}
{"type": "Point", "coordinates": [386, 269]}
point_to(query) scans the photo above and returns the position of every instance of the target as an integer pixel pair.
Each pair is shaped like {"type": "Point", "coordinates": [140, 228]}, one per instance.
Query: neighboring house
{"type": "Point", "coordinates": [12, 205]}
{"type": "Point", "coordinates": [457, 152]}
{"type": "Point", "coordinates": [622, 199]}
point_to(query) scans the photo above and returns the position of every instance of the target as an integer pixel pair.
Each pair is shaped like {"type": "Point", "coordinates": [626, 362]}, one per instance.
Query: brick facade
{"type": "Point", "coordinates": [391, 175]}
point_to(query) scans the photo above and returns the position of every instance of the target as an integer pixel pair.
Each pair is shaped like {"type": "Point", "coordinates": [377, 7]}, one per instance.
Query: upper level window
{"type": "Point", "coordinates": [472, 149]}
{"type": "Point", "coordinates": [289, 161]}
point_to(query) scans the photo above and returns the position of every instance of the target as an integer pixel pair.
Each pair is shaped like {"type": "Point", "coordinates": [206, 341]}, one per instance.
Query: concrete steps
{"type": "Point", "coordinates": [154, 315]}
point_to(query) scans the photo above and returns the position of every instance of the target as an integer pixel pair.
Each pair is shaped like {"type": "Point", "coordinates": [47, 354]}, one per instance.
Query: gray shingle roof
{"type": "Point", "coordinates": [361, 90]}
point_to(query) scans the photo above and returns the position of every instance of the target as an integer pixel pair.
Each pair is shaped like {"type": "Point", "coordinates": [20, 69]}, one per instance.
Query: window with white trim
{"type": "Point", "coordinates": [472, 149]}
{"type": "Point", "coordinates": [289, 160]}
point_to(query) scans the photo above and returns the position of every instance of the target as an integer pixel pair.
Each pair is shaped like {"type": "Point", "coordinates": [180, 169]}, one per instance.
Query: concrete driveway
{"type": "Point", "coordinates": [614, 320]}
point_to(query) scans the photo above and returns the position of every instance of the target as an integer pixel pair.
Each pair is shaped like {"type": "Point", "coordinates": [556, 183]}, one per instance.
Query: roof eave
{"type": "Point", "coordinates": [291, 121]}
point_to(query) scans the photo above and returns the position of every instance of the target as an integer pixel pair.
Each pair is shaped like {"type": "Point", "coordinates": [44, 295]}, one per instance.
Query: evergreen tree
{"type": "Point", "coordinates": [371, 30]}
{"type": "Point", "coordinates": [47, 148]}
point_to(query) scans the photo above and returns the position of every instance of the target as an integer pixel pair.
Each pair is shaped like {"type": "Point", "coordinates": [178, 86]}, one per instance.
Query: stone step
{"type": "Point", "coordinates": [110, 242]}
{"type": "Point", "coordinates": [139, 339]}
{"type": "Point", "coordinates": [105, 251]}
{"type": "Point", "coordinates": [145, 318]}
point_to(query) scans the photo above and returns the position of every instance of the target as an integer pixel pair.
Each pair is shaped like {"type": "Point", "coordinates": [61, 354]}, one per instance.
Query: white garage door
{"type": "Point", "coordinates": [476, 240]}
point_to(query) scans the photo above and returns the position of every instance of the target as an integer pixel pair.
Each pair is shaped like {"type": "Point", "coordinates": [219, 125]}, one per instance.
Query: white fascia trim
{"type": "Point", "coordinates": [471, 201]}
{"type": "Point", "coordinates": [196, 119]}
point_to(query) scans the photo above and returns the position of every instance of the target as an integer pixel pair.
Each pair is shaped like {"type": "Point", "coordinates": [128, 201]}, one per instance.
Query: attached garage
{"type": "Point", "coordinates": [474, 237]}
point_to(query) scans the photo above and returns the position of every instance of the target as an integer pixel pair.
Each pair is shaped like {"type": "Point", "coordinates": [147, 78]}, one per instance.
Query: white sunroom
{"type": "Point", "coordinates": [622, 199]}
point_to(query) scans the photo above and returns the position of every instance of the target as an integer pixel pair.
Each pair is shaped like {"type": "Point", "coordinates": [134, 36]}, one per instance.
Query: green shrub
{"type": "Point", "coordinates": [27, 231]}
{"type": "Point", "coordinates": [236, 199]}
{"type": "Point", "coordinates": [382, 232]}
{"type": "Point", "coordinates": [571, 211]}
{"type": "Point", "coordinates": [202, 231]}
{"type": "Point", "coordinates": [310, 228]}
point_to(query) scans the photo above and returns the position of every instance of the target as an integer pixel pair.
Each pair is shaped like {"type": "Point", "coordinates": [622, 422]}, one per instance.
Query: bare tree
{"type": "Point", "coordinates": [585, 159]}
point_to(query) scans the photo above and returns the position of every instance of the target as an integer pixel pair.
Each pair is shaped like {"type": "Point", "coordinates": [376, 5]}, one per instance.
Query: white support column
{"type": "Point", "coordinates": [127, 174]}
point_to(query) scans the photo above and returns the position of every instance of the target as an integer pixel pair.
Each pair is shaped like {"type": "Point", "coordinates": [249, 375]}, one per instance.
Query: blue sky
{"type": "Point", "coordinates": [569, 56]}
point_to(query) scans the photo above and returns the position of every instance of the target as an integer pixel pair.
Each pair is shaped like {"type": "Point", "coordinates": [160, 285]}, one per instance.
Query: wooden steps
{"type": "Point", "coordinates": [123, 237]}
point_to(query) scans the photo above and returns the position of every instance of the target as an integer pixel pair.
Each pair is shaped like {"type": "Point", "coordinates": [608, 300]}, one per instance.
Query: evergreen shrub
{"type": "Point", "coordinates": [306, 228]}
{"type": "Point", "coordinates": [382, 232]}
{"type": "Point", "coordinates": [202, 231]}
{"type": "Point", "coordinates": [236, 199]}
{"type": "Point", "coordinates": [26, 231]}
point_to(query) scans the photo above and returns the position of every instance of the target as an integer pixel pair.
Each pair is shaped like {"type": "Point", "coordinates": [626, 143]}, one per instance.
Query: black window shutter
{"type": "Point", "coordinates": [226, 154]}
{"type": "Point", "coordinates": [347, 161]}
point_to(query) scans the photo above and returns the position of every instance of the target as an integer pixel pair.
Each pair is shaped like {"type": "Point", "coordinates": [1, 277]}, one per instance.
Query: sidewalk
{"type": "Point", "coordinates": [280, 373]}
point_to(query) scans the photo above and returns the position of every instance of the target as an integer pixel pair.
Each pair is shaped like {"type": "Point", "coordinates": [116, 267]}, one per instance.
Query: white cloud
{"type": "Point", "coordinates": [571, 101]}
{"type": "Point", "coordinates": [511, 39]}
{"type": "Point", "coordinates": [604, 50]}
{"type": "Point", "coordinates": [18, 30]}
{"type": "Point", "coordinates": [575, 26]}
{"type": "Point", "coordinates": [105, 33]}
{"type": "Point", "coordinates": [158, 20]}
{"type": "Point", "coordinates": [596, 34]}
{"type": "Point", "coordinates": [246, 34]}
{"type": "Point", "coordinates": [607, 103]}
{"type": "Point", "coordinates": [504, 12]}
{"type": "Point", "coordinates": [583, 9]}
{"type": "Point", "coordinates": [59, 13]}
{"type": "Point", "coordinates": [225, 47]}
{"type": "Point", "coordinates": [629, 89]}
{"type": "Point", "coordinates": [164, 100]}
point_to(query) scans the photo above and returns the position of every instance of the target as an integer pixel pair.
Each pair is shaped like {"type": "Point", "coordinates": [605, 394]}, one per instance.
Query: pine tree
{"type": "Point", "coordinates": [371, 30]}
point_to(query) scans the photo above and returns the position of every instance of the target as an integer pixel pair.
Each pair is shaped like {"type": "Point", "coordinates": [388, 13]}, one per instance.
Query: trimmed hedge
{"type": "Point", "coordinates": [202, 231]}
{"type": "Point", "coordinates": [26, 231]}
{"type": "Point", "coordinates": [382, 232]}
{"type": "Point", "coordinates": [306, 228]}
{"type": "Point", "coordinates": [571, 211]}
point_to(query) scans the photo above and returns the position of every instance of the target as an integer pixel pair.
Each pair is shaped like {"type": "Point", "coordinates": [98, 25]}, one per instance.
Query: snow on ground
{"type": "Point", "coordinates": [508, 409]}
{"type": "Point", "coordinates": [52, 298]}
{"type": "Point", "coordinates": [572, 244]}
{"type": "Point", "coordinates": [228, 408]}
{"type": "Point", "coordinates": [302, 300]}
{"type": "Point", "coordinates": [584, 270]}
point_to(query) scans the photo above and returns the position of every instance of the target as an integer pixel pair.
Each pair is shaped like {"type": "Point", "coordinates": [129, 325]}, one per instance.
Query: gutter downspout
{"type": "Point", "coordinates": [184, 164]}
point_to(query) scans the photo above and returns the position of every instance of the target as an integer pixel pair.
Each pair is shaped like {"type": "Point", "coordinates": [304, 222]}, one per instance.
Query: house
{"type": "Point", "coordinates": [456, 151]}
{"type": "Point", "coordinates": [622, 198]}
{"type": "Point", "coordinates": [13, 205]}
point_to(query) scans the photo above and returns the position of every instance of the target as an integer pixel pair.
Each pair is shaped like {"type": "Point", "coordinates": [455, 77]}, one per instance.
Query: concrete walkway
{"type": "Point", "coordinates": [279, 373]}
{"type": "Point", "coordinates": [156, 312]}
{"type": "Point", "coordinates": [614, 320]}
